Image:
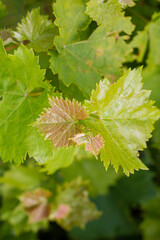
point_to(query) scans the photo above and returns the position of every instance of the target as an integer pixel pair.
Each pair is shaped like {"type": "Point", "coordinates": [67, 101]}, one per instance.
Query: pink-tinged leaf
{"type": "Point", "coordinates": [92, 144]}
{"type": "Point", "coordinates": [62, 211]}
{"type": "Point", "coordinates": [36, 204]}
{"type": "Point", "coordinates": [59, 122]}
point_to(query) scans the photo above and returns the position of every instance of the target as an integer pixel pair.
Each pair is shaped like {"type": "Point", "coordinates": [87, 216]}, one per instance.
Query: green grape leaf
{"type": "Point", "coordinates": [85, 62]}
{"type": "Point", "coordinates": [109, 13]}
{"type": "Point", "coordinates": [92, 144]}
{"type": "Point", "coordinates": [20, 75]}
{"type": "Point", "coordinates": [36, 29]}
{"type": "Point", "coordinates": [81, 209]}
{"type": "Point", "coordinates": [70, 18]}
{"type": "Point", "coordinates": [124, 116]}
{"type": "Point", "coordinates": [59, 122]}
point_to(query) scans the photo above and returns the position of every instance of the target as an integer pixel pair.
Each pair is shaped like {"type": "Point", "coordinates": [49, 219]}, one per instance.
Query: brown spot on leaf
{"type": "Point", "coordinates": [99, 52]}
{"type": "Point", "coordinates": [89, 63]}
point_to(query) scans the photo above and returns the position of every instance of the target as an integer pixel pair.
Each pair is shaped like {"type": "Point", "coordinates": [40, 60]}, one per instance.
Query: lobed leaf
{"type": "Point", "coordinates": [85, 62]}
{"type": "Point", "coordinates": [109, 13]}
{"type": "Point", "coordinates": [59, 123]}
{"type": "Point", "coordinates": [124, 116]}
{"type": "Point", "coordinates": [80, 208]}
{"type": "Point", "coordinates": [70, 18]}
{"type": "Point", "coordinates": [36, 204]}
{"type": "Point", "coordinates": [36, 29]}
{"type": "Point", "coordinates": [20, 76]}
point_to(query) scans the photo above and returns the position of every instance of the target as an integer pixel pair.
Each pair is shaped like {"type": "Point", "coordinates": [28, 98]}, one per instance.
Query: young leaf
{"type": "Point", "coordinates": [75, 196]}
{"type": "Point", "coordinates": [38, 30]}
{"type": "Point", "coordinates": [85, 62]}
{"type": "Point", "coordinates": [61, 212]}
{"type": "Point", "coordinates": [7, 36]}
{"type": "Point", "coordinates": [36, 204]}
{"type": "Point", "coordinates": [124, 116]}
{"type": "Point", "coordinates": [92, 144]}
{"type": "Point", "coordinates": [59, 122]}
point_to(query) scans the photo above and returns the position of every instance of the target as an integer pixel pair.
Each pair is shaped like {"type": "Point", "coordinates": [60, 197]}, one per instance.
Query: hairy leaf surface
{"type": "Point", "coordinates": [92, 144]}
{"type": "Point", "coordinates": [59, 122]}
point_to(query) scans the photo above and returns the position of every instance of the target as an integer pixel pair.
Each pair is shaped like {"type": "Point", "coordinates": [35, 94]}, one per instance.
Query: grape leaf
{"type": "Point", "coordinates": [82, 210]}
{"type": "Point", "coordinates": [109, 13]}
{"type": "Point", "coordinates": [7, 36]}
{"type": "Point", "coordinates": [36, 204]}
{"type": "Point", "coordinates": [92, 144]}
{"type": "Point", "coordinates": [20, 74]}
{"type": "Point", "coordinates": [37, 29]}
{"type": "Point", "coordinates": [85, 62]}
{"type": "Point", "coordinates": [59, 122]}
{"type": "Point", "coordinates": [70, 18]}
{"type": "Point", "coordinates": [124, 116]}
{"type": "Point", "coordinates": [61, 212]}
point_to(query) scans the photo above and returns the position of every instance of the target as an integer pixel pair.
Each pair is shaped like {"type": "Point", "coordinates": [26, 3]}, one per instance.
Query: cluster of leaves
{"type": "Point", "coordinates": [72, 90]}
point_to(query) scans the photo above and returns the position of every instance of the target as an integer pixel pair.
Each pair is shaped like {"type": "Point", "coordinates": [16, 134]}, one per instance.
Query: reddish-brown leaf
{"type": "Point", "coordinates": [62, 211]}
{"type": "Point", "coordinates": [36, 204]}
{"type": "Point", "coordinates": [60, 122]}
{"type": "Point", "coordinates": [92, 144]}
